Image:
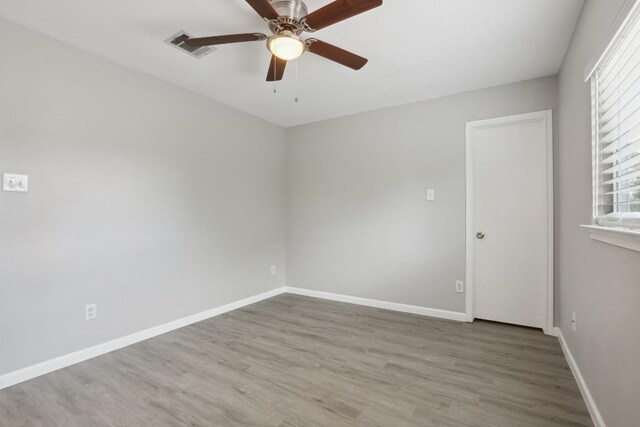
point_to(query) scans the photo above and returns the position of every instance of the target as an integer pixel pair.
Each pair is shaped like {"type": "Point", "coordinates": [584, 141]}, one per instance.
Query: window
{"type": "Point", "coordinates": [615, 86]}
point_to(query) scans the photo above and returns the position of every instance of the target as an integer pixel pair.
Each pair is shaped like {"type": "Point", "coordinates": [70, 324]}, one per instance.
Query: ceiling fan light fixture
{"type": "Point", "coordinates": [287, 19]}
{"type": "Point", "coordinates": [286, 46]}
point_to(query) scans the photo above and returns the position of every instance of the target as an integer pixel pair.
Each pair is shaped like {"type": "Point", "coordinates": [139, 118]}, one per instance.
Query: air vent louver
{"type": "Point", "coordinates": [178, 41]}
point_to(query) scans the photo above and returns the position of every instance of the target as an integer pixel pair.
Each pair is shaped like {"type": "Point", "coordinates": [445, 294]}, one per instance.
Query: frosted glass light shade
{"type": "Point", "coordinates": [286, 46]}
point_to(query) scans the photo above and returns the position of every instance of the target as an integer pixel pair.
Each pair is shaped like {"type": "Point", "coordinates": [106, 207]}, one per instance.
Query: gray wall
{"type": "Point", "coordinates": [601, 283]}
{"type": "Point", "coordinates": [153, 202]}
{"type": "Point", "coordinates": [358, 223]}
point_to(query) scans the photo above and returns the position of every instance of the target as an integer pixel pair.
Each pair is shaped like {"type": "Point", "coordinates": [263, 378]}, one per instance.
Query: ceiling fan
{"type": "Point", "coordinates": [288, 19]}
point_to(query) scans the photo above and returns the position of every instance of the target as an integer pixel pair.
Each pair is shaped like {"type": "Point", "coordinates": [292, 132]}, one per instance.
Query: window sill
{"type": "Point", "coordinates": [625, 238]}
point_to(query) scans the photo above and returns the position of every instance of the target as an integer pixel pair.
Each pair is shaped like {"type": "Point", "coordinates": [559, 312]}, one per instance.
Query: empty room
{"type": "Point", "coordinates": [296, 213]}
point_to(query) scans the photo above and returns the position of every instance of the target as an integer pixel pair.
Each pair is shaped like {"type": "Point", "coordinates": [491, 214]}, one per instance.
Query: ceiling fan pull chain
{"type": "Point", "coordinates": [275, 73]}
{"type": "Point", "coordinates": [296, 98]}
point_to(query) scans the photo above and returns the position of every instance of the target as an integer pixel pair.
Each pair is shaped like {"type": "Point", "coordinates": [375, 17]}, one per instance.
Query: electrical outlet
{"type": "Point", "coordinates": [13, 182]}
{"type": "Point", "coordinates": [573, 320]}
{"type": "Point", "coordinates": [90, 311]}
{"type": "Point", "coordinates": [273, 269]}
{"type": "Point", "coordinates": [431, 194]}
{"type": "Point", "coordinates": [459, 286]}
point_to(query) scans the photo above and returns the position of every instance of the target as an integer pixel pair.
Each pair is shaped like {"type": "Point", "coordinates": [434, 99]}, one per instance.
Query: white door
{"type": "Point", "coordinates": [509, 220]}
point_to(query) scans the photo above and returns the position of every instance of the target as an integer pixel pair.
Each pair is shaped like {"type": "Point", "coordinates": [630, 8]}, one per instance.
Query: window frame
{"type": "Point", "coordinates": [602, 229]}
{"type": "Point", "coordinates": [616, 220]}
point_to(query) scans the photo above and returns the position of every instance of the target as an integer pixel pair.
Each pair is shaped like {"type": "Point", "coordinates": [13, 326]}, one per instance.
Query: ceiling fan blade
{"type": "Point", "coordinates": [264, 9]}
{"type": "Point", "coordinates": [338, 11]}
{"type": "Point", "coordinates": [336, 54]}
{"type": "Point", "coordinates": [231, 38]}
{"type": "Point", "coordinates": [276, 69]}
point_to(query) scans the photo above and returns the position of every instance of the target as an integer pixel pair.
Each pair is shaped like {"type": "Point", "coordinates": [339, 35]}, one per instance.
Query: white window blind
{"type": "Point", "coordinates": [616, 130]}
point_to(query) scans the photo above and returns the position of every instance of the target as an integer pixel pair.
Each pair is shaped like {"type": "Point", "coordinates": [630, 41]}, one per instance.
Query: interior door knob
{"type": "Point", "coordinates": [480, 235]}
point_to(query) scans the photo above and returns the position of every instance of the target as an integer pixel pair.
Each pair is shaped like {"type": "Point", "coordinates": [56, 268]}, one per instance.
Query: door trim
{"type": "Point", "coordinates": [547, 118]}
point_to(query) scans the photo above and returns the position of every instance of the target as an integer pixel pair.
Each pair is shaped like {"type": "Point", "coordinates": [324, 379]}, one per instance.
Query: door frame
{"type": "Point", "coordinates": [547, 118]}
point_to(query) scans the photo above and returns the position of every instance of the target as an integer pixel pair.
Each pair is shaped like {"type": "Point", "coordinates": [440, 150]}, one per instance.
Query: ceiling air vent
{"type": "Point", "coordinates": [178, 41]}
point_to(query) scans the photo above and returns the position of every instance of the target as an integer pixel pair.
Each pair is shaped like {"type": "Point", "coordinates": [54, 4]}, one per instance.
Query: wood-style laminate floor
{"type": "Point", "coordinates": [298, 361]}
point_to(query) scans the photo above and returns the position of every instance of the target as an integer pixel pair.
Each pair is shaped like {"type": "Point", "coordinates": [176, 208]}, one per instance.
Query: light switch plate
{"type": "Point", "coordinates": [431, 194]}
{"type": "Point", "coordinates": [13, 182]}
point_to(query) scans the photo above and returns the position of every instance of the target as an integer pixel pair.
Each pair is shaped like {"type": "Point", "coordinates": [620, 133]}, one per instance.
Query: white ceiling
{"type": "Point", "coordinates": [417, 49]}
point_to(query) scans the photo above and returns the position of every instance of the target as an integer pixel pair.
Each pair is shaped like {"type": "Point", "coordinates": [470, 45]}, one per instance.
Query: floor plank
{"type": "Point", "coordinates": [299, 361]}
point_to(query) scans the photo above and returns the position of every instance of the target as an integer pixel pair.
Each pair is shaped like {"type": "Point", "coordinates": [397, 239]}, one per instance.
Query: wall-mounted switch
{"type": "Point", "coordinates": [431, 194]}
{"type": "Point", "coordinates": [13, 182]}
{"type": "Point", "coordinates": [459, 286]}
{"type": "Point", "coordinates": [90, 311]}
{"type": "Point", "coordinates": [273, 269]}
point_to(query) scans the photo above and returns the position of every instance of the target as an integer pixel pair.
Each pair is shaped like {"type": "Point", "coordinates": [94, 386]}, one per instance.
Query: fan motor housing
{"type": "Point", "coordinates": [292, 8]}
{"type": "Point", "coordinates": [291, 12]}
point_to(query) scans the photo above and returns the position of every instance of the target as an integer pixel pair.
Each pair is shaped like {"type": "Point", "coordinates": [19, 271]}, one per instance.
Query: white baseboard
{"type": "Point", "coordinates": [582, 385]}
{"type": "Point", "coordinates": [405, 308]}
{"type": "Point", "coordinates": [45, 367]}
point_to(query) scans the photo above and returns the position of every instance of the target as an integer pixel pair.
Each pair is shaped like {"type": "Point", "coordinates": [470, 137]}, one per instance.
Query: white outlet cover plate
{"type": "Point", "coordinates": [431, 194]}
{"type": "Point", "coordinates": [90, 311]}
{"type": "Point", "coordinates": [14, 182]}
